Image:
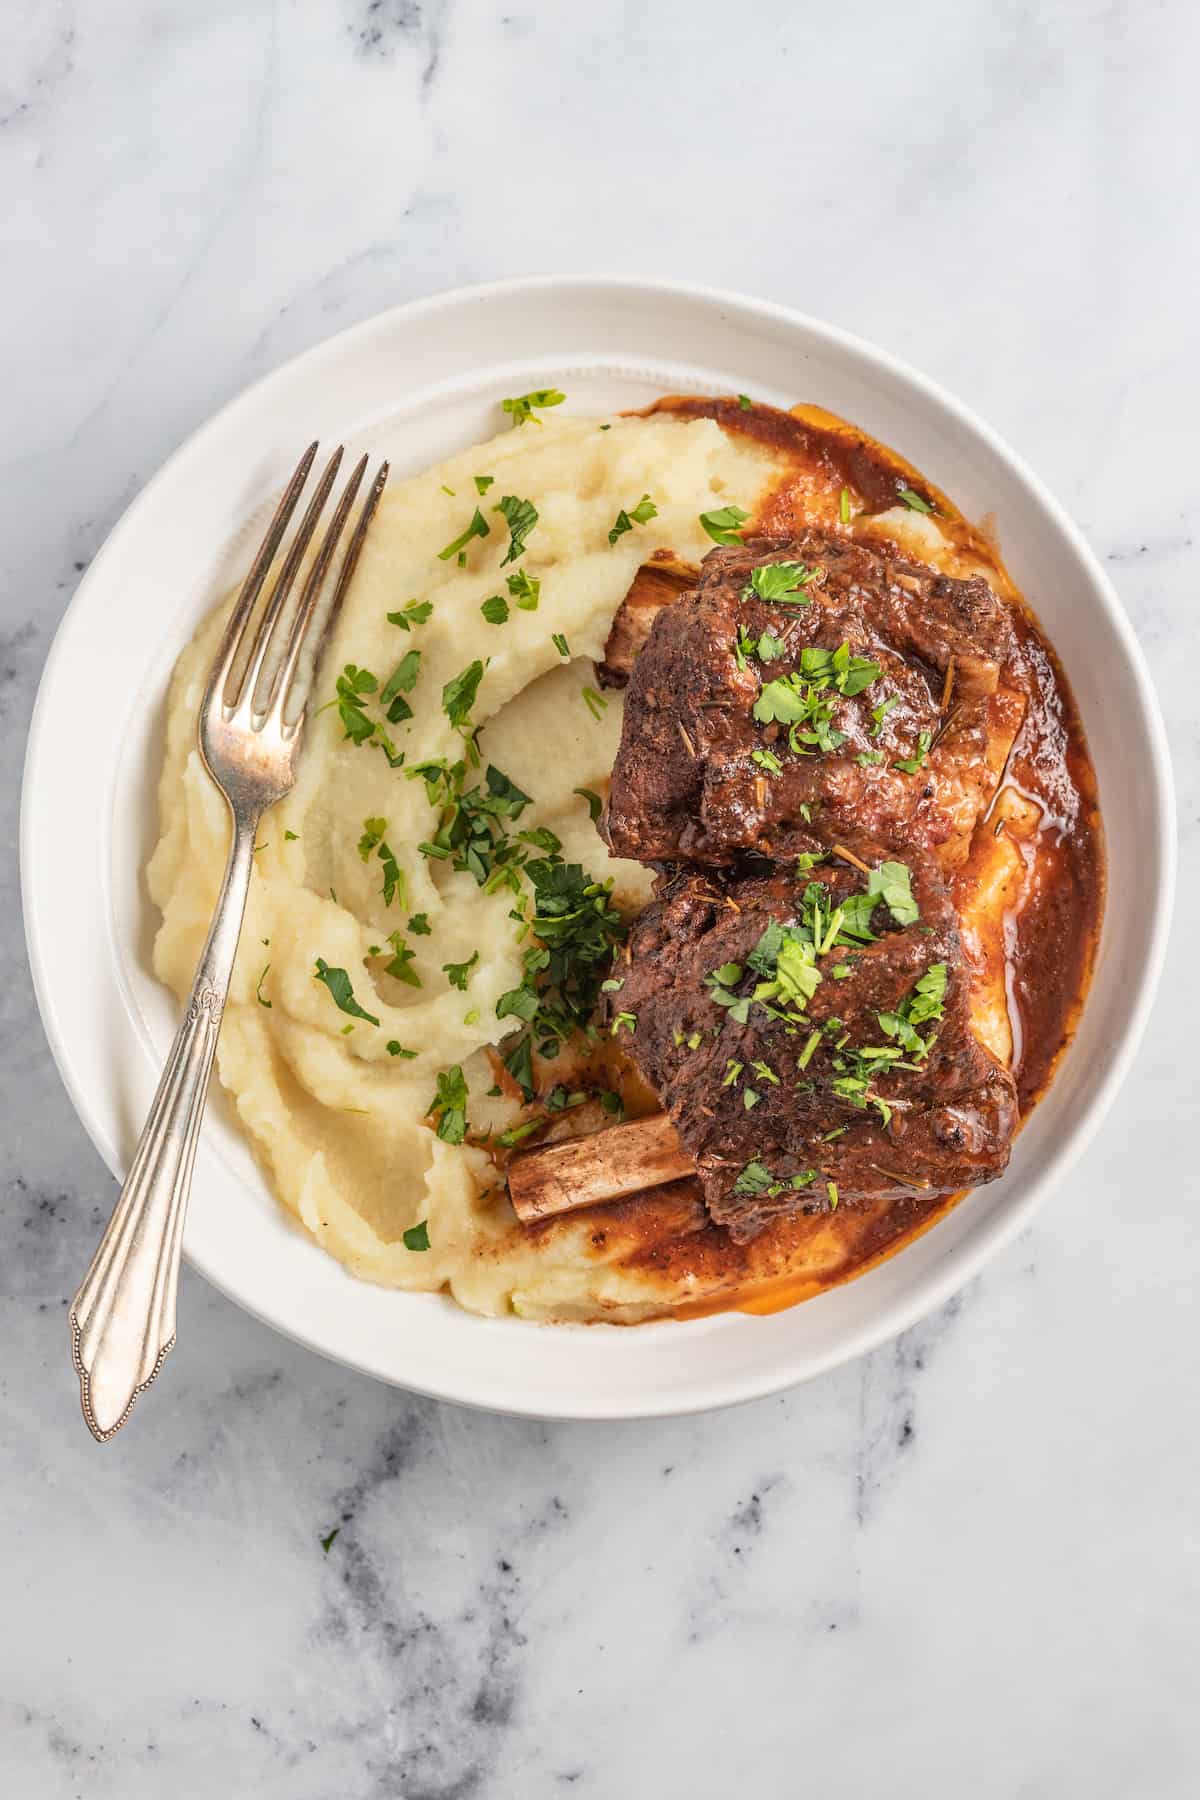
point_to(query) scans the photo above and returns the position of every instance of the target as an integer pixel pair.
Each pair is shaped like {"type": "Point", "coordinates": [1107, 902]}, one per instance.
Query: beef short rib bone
{"type": "Point", "coordinates": [657, 583]}
{"type": "Point", "coordinates": [583, 1171]}
{"type": "Point", "coordinates": [901, 744]}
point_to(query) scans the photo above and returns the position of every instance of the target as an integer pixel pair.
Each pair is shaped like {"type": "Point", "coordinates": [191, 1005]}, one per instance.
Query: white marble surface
{"type": "Point", "coordinates": [966, 1565]}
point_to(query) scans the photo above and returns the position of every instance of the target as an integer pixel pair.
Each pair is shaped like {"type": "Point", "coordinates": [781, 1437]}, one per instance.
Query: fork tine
{"type": "Point", "coordinates": [247, 689]}
{"type": "Point", "coordinates": [252, 586]}
{"type": "Point", "coordinates": [312, 587]}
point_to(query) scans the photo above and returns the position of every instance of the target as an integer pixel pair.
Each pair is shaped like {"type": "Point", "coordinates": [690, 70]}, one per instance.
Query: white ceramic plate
{"type": "Point", "coordinates": [415, 384]}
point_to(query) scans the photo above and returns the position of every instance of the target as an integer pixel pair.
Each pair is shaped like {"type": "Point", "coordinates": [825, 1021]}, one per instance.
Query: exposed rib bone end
{"type": "Point", "coordinates": [583, 1171]}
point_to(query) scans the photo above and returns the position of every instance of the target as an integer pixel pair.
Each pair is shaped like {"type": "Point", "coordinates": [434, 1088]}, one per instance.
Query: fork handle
{"type": "Point", "coordinates": [123, 1317]}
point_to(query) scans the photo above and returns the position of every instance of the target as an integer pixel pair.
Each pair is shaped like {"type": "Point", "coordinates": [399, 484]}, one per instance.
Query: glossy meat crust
{"type": "Point", "coordinates": [953, 1110]}
{"type": "Point", "coordinates": [686, 784]}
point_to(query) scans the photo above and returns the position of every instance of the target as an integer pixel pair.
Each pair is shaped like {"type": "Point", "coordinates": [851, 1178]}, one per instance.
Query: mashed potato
{"type": "Point", "coordinates": [339, 1123]}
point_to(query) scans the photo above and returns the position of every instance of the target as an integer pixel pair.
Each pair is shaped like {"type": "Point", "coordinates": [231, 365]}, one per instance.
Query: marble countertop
{"type": "Point", "coordinates": [967, 1564]}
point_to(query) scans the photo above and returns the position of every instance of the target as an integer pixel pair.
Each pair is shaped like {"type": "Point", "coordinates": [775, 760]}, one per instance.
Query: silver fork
{"type": "Point", "coordinates": [123, 1317]}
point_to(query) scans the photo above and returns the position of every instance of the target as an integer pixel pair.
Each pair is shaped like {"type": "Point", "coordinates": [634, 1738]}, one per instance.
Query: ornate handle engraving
{"type": "Point", "coordinates": [123, 1317]}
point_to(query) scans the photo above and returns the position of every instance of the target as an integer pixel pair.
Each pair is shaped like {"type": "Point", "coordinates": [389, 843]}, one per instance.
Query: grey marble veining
{"type": "Point", "coordinates": [966, 1564]}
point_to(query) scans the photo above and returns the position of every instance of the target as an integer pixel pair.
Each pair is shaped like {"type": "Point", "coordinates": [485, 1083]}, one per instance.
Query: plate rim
{"type": "Point", "coordinates": [962, 1261]}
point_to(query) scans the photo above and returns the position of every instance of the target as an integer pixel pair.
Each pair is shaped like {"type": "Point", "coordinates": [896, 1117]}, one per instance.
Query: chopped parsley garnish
{"type": "Point", "coordinates": [419, 925]}
{"type": "Point", "coordinates": [732, 1071]}
{"type": "Point", "coordinates": [766, 761]}
{"type": "Point", "coordinates": [393, 877]}
{"type": "Point", "coordinates": [415, 613]}
{"type": "Point", "coordinates": [353, 685]}
{"type": "Point", "coordinates": [756, 1178]}
{"type": "Point", "coordinates": [573, 929]}
{"type": "Point", "coordinates": [524, 589]}
{"type": "Point", "coordinates": [570, 922]}
{"type": "Point", "coordinates": [641, 514]}
{"type": "Point", "coordinates": [866, 759]}
{"type": "Point", "coordinates": [401, 958]}
{"type": "Point", "coordinates": [371, 834]}
{"type": "Point", "coordinates": [559, 1100]}
{"type": "Point", "coordinates": [784, 581]}
{"type": "Point", "coordinates": [517, 1003]}
{"type": "Point", "coordinates": [338, 983]}
{"type": "Point", "coordinates": [595, 804]}
{"type": "Point", "coordinates": [880, 712]}
{"type": "Point", "coordinates": [848, 674]}
{"type": "Point", "coordinates": [781, 701]}
{"type": "Point", "coordinates": [786, 958]}
{"type": "Point", "coordinates": [722, 524]}
{"type": "Point", "coordinates": [495, 610]}
{"type": "Point", "coordinates": [289, 837]}
{"type": "Point", "coordinates": [449, 1107]}
{"type": "Point", "coordinates": [857, 1069]}
{"type": "Point", "coordinates": [916, 502]}
{"type": "Point", "coordinates": [721, 983]}
{"type": "Point", "coordinates": [478, 528]}
{"type": "Point", "coordinates": [326, 1542]}
{"type": "Point", "coordinates": [402, 680]}
{"type": "Point", "coordinates": [521, 516]}
{"type": "Point", "coordinates": [795, 977]}
{"type": "Point", "coordinates": [522, 407]}
{"type": "Point", "coordinates": [258, 993]}
{"type": "Point", "coordinates": [744, 647]}
{"type": "Point", "coordinates": [804, 700]}
{"type": "Point", "coordinates": [844, 506]}
{"type": "Point", "coordinates": [625, 1020]}
{"type": "Point", "coordinates": [516, 1134]}
{"type": "Point", "coordinates": [471, 833]}
{"type": "Point", "coordinates": [542, 838]}
{"type": "Point", "coordinates": [595, 703]}
{"type": "Point", "coordinates": [926, 1002]}
{"type": "Point", "coordinates": [458, 695]}
{"type": "Point", "coordinates": [482, 483]}
{"type": "Point", "coordinates": [909, 765]}
{"type": "Point", "coordinates": [395, 1048]}
{"type": "Point", "coordinates": [459, 974]}
{"type": "Point", "coordinates": [417, 1236]}
{"type": "Point", "coordinates": [560, 644]}
{"type": "Point", "coordinates": [745, 402]}
{"type": "Point", "coordinates": [891, 882]}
